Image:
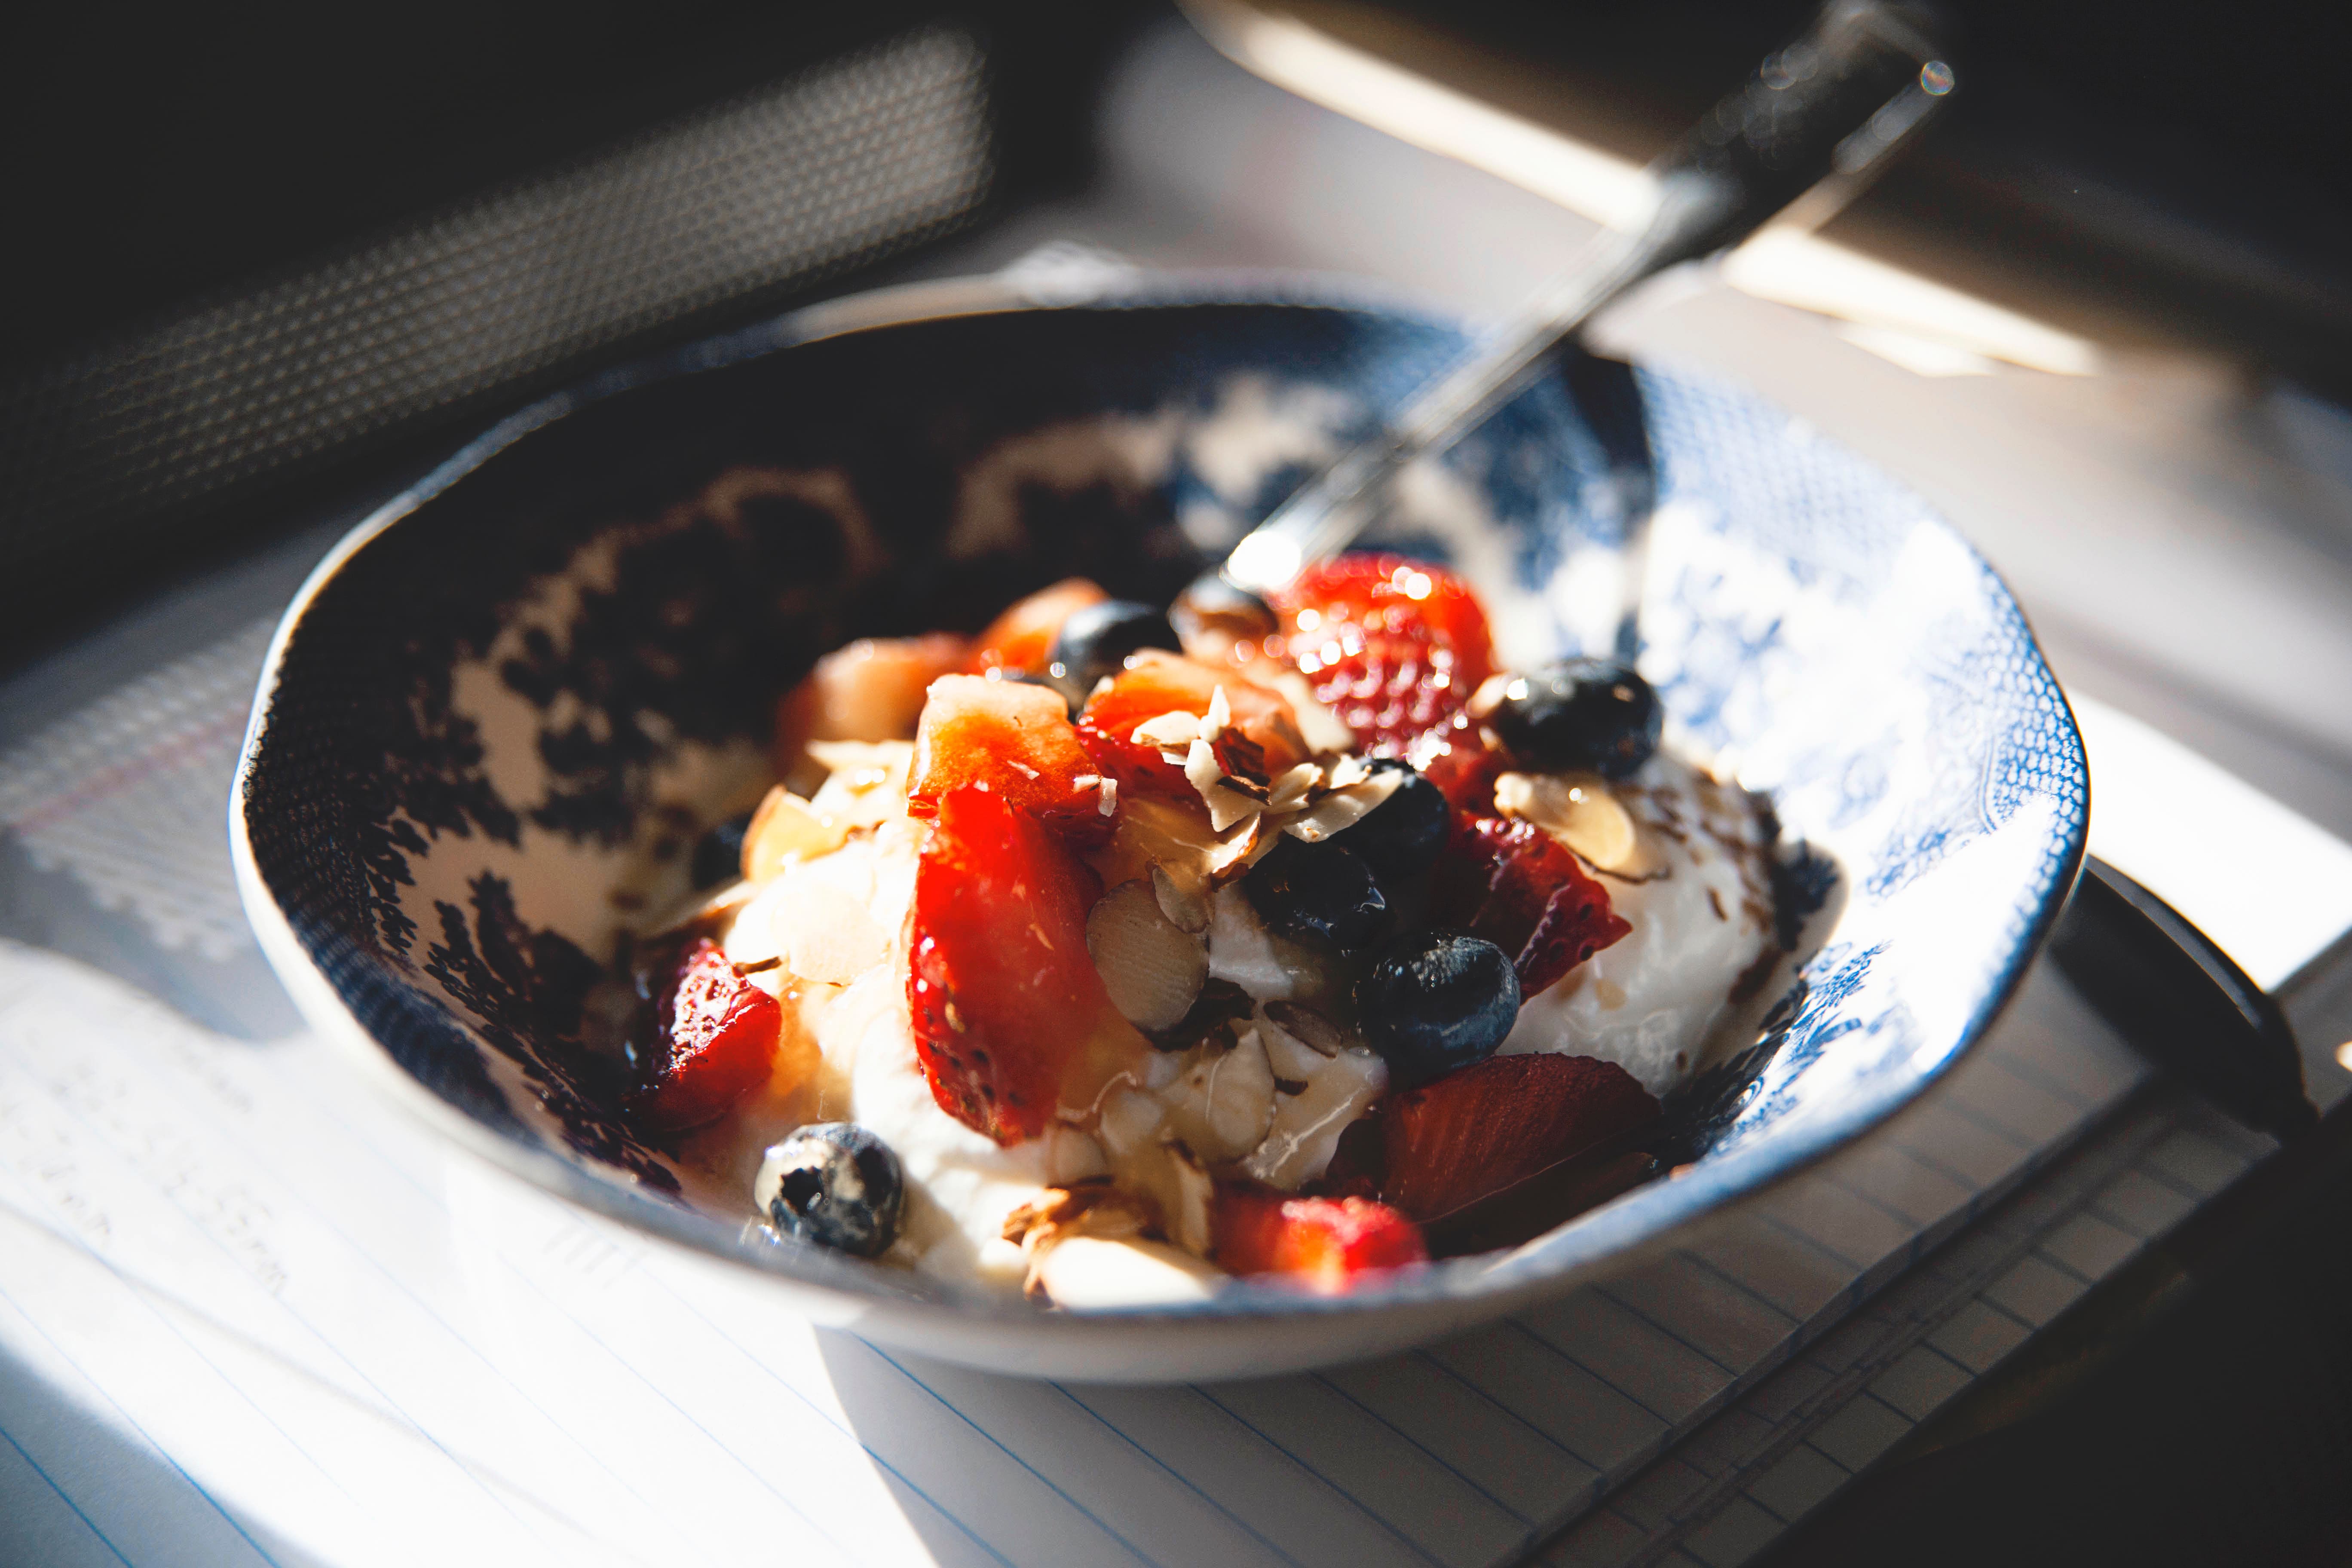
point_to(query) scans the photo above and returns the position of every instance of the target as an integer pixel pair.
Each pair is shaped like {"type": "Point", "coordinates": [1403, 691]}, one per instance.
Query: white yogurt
{"type": "Point", "coordinates": [1699, 897]}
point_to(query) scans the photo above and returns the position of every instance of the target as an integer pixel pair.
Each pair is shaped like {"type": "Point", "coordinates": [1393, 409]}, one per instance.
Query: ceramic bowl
{"type": "Point", "coordinates": [500, 710]}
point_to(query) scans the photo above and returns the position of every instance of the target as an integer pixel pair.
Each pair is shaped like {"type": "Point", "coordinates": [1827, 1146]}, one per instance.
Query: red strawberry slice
{"type": "Point", "coordinates": [717, 1041]}
{"type": "Point", "coordinates": [1017, 642]}
{"type": "Point", "coordinates": [1264, 738]}
{"type": "Point", "coordinates": [1454, 758]}
{"type": "Point", "coordinates": [1324, 1244]}
{"type": "Point", "coordinates": [1018, 740]}
{"type": "Point", "coordinates": [1513, 884]}
{"type": "Point", "coordinates": [1011, 1018]}
{"type": "Point", "coordinates": [1479, 1129]}
{"type": "Point", "coordinates": [1395, 648]}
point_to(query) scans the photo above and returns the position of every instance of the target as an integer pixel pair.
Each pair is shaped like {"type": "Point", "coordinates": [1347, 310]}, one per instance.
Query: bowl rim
{"type": "Point", "coordinates": [827, 1289]}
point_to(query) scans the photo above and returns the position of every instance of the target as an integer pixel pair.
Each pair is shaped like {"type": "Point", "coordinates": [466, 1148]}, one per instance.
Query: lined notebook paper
{"type": "Point", "coordinates": [249, 1313]}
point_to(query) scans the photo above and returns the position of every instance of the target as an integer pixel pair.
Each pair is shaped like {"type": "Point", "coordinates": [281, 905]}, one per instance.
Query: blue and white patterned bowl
{"type": "Point", "coordinates": [499, 709]}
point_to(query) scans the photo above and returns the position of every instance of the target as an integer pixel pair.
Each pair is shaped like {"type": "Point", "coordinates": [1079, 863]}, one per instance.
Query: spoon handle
{"type": "Point", "coordinates": [1821, 112]}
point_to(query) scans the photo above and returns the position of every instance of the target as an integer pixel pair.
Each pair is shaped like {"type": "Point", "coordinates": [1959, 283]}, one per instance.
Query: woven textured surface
{"type": "Point", "coordinates": [843, 164]}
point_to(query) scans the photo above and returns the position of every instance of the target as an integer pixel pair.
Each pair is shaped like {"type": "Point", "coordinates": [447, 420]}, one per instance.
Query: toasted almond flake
{"type": "Point", "coordinates": [1219, 716]}
{"type": "Point", "coordinates": [1222, 1101]}
{"type": "Point", "coordinates": [1151, 967]}
{"type": "Point", "coordinates": [1185, 1203]}
{"type": "Point", "coordinates": [1323, 730]}
{"type": "Point", "coordinates": [1307, 1126]}
{"type": "Point", "coordinates": [1489, 696]}
{"type": "Point", "coordinates": [1171, 731]}
{"type": "Point", "coordinates": [1227, 805]}
{"type": "Point", "coordinates": [1096, 1272]}
{"type": "Point", "coordinates": [1290, 790]}
{"type": "Point", "coordinates": [1341, 808]}
{"type": "Point", "coordinates": [1304, 1022]}
{"type": "Point", "coordinates": [1108, 803]}
{"type": "Point", "coordinates": [785, 829]}
{"type": "Point", "coordinates": [1086, 781]}
{"type": "Point", "coordinates": [1239, 848]}
{"type": "Point", "coordinates": [1349, 770]}
{"type": "Point", "coordinates": [1186, 904]}
{"type": "Point", "coordinates": [1579, 810]}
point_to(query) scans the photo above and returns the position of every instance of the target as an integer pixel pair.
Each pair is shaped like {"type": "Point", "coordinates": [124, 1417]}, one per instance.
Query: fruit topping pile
{"type": "Point", "coordinates": [1216, 919]}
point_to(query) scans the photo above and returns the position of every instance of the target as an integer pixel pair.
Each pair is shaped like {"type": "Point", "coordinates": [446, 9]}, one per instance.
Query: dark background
{"type": "Point", "coordinates": [150, 155]}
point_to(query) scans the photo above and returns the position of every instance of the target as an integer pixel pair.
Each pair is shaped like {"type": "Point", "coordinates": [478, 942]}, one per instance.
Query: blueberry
{"type": "Point", "coordinates": [718, 854]}
{"type": "Point", "coordinates": [1096, 640]}
{"type": "Point", "coordinates": [1592, 714]}
{"type": "Point", "coordinates": [833, 1183]}
{"type": "Point", "coordinates": [1402, 835]}
{"type": "Point", "coordinates": [1436, 1000]}
{"type": "Point", "coordinates": [1317, 889]}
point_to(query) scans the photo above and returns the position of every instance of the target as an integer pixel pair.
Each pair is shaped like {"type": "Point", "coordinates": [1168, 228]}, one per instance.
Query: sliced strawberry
{"type": "Point", "coordinates": [1011, 1019]}
{"type": "Point", "coordinates": [1395, 648]}
{"type": "Point", "coordinates": [1014, 738]}
{"type": "Point", "coordinates": [1515, 885]}
{"type": "Point", "coordinates": [1016, 641]}
{"type": "Point", "coordinates": [1264, 738]}
{"type": "Point", "coordinates": [871, 689]}
{"type": "Point", "coordinates": [1455, 759]}
{"type": "Point", "coordinates": [716, 1043]}
{"type": "Point", "coordinates": [1481, 1128]}
{"type": "Point", "coordinates": [1324, 1244]}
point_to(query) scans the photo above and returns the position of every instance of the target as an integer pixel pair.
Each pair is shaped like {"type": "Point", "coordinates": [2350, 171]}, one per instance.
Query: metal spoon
{"type": "Point", "coordinates": [1819, 116]}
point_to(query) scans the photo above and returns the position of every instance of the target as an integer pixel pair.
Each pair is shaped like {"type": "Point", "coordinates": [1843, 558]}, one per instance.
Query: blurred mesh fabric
{"type": "Point", "coordinates": [843, 163]}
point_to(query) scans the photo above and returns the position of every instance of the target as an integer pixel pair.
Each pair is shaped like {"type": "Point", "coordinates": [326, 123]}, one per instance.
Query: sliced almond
{"type": "Point", "coordinates": [785, 829]}
{"type": "Point", "coordinates": [824, 934]}
{"type": "Point", "coordinates": [1130, 1122]}
{"type": "Point", "coordinates": [1151, 967]}
{"type": "Point", "coordinates": [1223, 1099]}
{"type": "Point", "coordinates": [1185, 904]}
{"type": "Point", "coordinates": [1489, 696]}
{"type": "Point", "coordinates": [1227, 805]}
{"type": "Point", "coordinates": [867, 784]}
{"type": "Point", "coordinates": [1307, 1125]}
{"type": "Point", "coordinates": [1289, 792]}
{"type": "Point", "coordinates": [1304, 1022]}
{"type": "Point", "coordinates": [1578, 809]}
{"type": "Point", "coordinates": [1322, 731]}
{"type": "Point", "coordinates": [1089, 1272]}
{"type": "Point", "coordinates": [1342, 807]}
{"type": "Point", "coordinates": [1236, 850]}
{"type": "Point", "coordinates": [1171, 731]}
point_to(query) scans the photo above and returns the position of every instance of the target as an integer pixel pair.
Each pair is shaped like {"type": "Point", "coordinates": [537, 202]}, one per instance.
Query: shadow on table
{"type": "Point", "coordinates": [79, 1486]}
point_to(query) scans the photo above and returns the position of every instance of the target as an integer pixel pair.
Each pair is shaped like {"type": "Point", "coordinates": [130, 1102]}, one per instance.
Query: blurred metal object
{"type": "Point", "coordinates": [1817, 120]}
{"type": "Point", "coordinates": [2181, 1001]}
